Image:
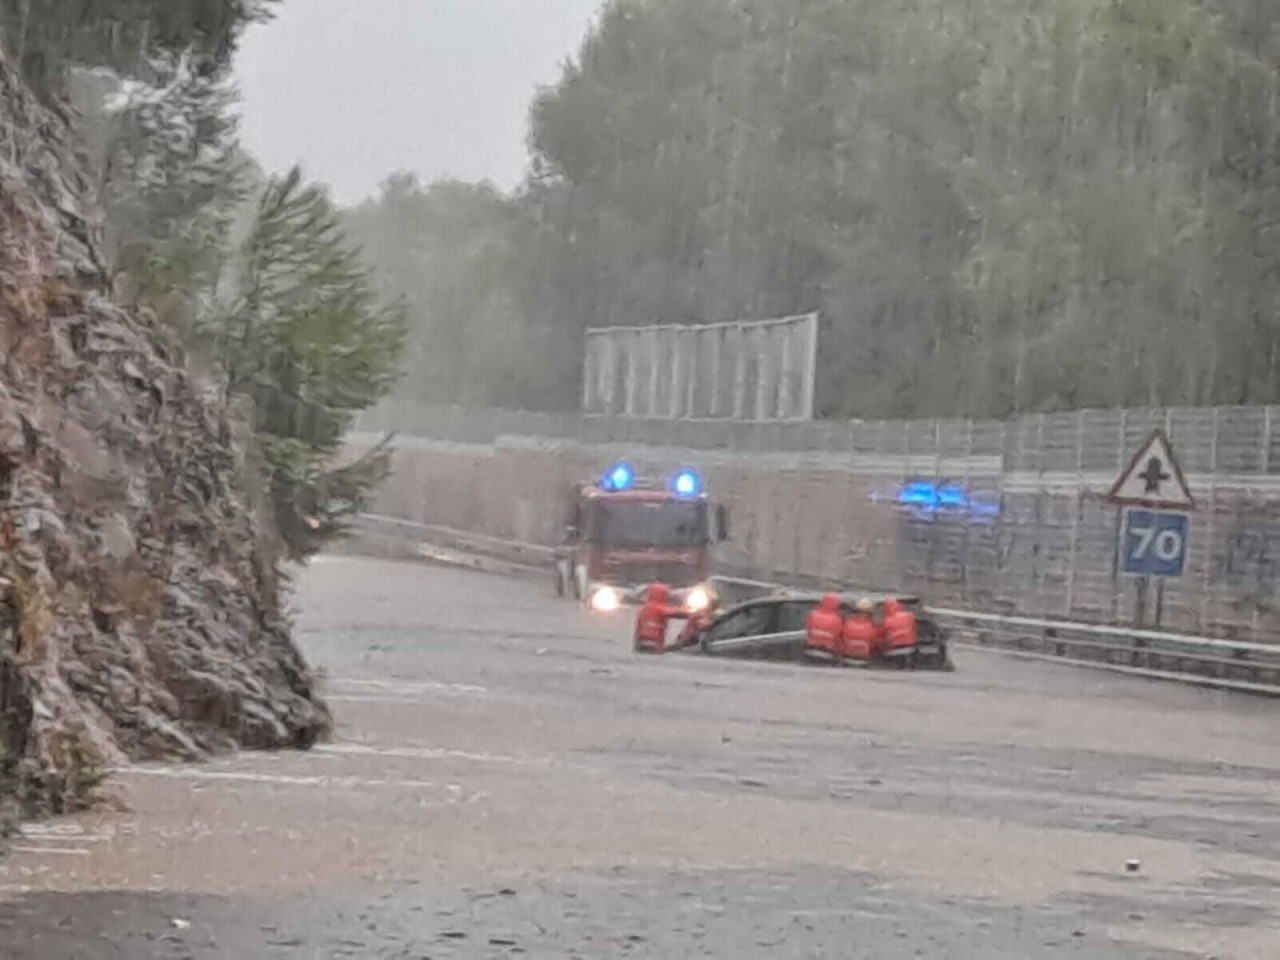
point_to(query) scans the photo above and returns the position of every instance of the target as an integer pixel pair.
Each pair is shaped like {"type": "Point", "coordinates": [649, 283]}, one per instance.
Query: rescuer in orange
{"type": "Point", "coordinates": [651, 622]}
{"type": "Point", "coordinates": [823, 626]}
{"type": "Point", "coordinates": [861, 635]}
{"type": "Point", "coordinates": [900, 627]}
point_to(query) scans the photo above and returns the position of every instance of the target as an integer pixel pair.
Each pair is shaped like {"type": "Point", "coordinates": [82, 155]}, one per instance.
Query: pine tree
{"type": "Point", "coordinates": [170, 181]}
{"type": "Point", "coordinates": [253, 276]}
{"type": "Point", "coordinates": [308, 339]}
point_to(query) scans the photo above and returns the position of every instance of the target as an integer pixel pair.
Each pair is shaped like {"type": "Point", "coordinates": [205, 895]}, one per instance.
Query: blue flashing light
{"type": "Point", "coordinates": [686, 483]}
{"type": "Point", "coordinates": [921, 495]}
{"type": "Point", "coordinates": [953, 497]}
{"type": "Point", "coordinates": [619, 477]}
{"type": "Point", "coordinates": [928, 498]}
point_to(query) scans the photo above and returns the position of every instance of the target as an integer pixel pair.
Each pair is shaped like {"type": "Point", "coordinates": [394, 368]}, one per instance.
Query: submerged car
{"type": "Point", "coordinates": [773, 628]}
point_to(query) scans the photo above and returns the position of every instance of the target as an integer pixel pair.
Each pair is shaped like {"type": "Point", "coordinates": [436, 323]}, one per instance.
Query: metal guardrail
{"type": "Point", "coordinates": [1205, 661]}
{"type": "Point", "coordinates": [511, 550]}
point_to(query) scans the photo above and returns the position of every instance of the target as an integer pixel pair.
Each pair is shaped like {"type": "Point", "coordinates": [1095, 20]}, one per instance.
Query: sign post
{"type": "Point", "coordinates": [1155, 523]}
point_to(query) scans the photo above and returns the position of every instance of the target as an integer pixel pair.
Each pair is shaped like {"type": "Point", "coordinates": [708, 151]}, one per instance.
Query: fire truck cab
{"type": "Point", "coordinates": [625, 532]}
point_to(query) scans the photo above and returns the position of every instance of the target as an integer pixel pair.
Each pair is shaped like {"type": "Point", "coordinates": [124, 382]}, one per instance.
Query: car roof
{"type": "Point", "coordinates": [809, 596]}
{"type": "Point", "coordinates": [847, 596]}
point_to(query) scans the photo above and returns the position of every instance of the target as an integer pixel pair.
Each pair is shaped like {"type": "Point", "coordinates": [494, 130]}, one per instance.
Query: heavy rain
{"type": "Point", "coordinates": [639, 479]}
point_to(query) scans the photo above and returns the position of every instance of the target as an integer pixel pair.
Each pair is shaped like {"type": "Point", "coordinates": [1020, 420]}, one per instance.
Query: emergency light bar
{"type": "Point", "coordinates": [619, 477]}
{"type": "Point", "coordinates": [929, 497]}
{"type": "Point", "coordinates": [686, 482]}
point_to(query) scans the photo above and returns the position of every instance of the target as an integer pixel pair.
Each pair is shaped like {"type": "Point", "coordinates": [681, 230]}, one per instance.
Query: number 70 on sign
{"type": "Point", "coordinates": [1154, 543]}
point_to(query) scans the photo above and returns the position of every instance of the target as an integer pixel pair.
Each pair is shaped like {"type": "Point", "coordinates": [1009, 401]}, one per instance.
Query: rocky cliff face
{"type": "Point", "coordinates": [137, 618]}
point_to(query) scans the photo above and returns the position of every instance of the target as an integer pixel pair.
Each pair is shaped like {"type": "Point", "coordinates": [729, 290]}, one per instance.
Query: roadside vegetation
{"type": "Point", "coordinates": [249, 277]}
{"type": "Point", "coordinates": [141, 609]}
{"type": "Point", "coordinates": [998, 205]}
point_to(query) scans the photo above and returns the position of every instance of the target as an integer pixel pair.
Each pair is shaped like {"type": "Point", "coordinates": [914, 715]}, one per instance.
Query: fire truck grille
{"type": "Point", "coordinates": [674, 574]}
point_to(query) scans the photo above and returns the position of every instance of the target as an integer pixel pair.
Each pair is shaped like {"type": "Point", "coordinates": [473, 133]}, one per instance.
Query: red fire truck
{"type": "Point", "coordinates": [625, 532]}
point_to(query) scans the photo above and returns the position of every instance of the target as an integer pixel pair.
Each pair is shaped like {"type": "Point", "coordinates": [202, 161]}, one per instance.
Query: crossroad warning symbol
{"type": "Point", "coordinates": [1153, 479]}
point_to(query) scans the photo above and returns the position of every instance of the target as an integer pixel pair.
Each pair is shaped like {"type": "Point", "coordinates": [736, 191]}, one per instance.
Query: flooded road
{"type": "Point", "coordinates": [508, 779]}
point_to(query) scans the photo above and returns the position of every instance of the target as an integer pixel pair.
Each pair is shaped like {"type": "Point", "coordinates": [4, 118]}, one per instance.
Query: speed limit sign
{"type": "Point", "coordinates": [1154, 543]}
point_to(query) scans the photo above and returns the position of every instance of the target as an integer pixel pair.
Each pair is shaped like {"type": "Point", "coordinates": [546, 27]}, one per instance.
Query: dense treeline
{"type": "Point", "coordinates": [996, 204]}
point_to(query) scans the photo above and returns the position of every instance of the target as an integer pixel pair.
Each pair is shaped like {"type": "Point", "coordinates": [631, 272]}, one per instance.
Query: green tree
{"type": "Point", "coordinates": [48, 38]}
{"type": "Point", "coordinates": [251, 277]}
{"type": "Point", "coordinates": [306, 337]}
{"type": "Point", "coordinates": [456, 253]}
{"type": "Point", "coordinates": [170, 179]}
{"type": "Point", "coordinates": [997, 205]}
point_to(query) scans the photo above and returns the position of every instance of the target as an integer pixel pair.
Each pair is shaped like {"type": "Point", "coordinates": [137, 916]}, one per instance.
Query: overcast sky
{"type": "Point", "coordinates": [355, 89]}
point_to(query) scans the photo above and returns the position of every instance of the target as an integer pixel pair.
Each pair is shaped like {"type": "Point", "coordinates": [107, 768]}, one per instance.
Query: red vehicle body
{"type": "Point", "coordinates": [620, 541]}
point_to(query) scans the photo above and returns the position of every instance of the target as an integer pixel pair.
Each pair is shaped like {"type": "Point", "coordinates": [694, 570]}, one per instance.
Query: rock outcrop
{"type": "Point", "coordinates": [137, 616]}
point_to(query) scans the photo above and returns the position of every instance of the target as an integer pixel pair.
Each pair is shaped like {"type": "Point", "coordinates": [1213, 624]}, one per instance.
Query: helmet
{"type": "Point", "coordinates": [865, 605]}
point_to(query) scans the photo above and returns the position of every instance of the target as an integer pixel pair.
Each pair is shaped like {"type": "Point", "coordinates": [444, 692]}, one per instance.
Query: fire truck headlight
{"type": "Point", "coordinates": [698, 600]}
{"type": "Point", "coordinates": [605, 600]}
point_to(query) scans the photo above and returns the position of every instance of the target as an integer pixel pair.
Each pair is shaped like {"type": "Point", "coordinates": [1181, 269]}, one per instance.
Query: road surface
{"type": "Point", "coordinates": [509, 780]}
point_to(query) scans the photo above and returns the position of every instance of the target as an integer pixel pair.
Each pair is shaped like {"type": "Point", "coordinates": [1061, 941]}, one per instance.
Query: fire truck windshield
{"type": "Point", "coordinates": [664, 523]}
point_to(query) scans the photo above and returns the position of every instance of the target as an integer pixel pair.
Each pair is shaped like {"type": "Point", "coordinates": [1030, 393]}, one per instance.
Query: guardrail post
{"type": "Point", "coordinates": [1059, 648]}
{"type": "Point", "coordinates": [1075, 518]}
{"type": "Point", "coordinates": [1137, 654]}
{"type": "Point", "coordinates": [1210, 510]}
{"type": "Point", "coordinates": [1115, 544]}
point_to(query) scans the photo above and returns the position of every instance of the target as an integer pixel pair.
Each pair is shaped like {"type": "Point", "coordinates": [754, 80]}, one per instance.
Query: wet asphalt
{"type": "Point", "coordinates": [508, 779]}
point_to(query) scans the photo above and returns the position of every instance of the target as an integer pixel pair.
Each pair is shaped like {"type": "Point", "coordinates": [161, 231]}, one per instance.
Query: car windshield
{"type": "Point", "coordinates": [748, 622]}
{"type": "Point", "coordinates": [657, 523]}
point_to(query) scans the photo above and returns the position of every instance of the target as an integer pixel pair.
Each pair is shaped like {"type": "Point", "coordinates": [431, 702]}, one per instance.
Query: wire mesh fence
{"type": "Point", "coordinates": [1017, 521]}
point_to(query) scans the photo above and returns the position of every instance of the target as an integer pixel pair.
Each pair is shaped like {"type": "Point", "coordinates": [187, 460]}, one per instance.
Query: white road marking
{"type": "Point", "coordinates": [232, 776]}
{"type": "Point", "coordinates": [44, 851]}
{"type": "Point", "coordinates": [384, 700]}
{"type": "Point", "coordinates": [411, 686]}
{"type": "Point", "coordinates": [51, 829]}
{"type": "Point", "coordinates": [60, 833]}
{"type": "Point", "coordinates": [419, 753]}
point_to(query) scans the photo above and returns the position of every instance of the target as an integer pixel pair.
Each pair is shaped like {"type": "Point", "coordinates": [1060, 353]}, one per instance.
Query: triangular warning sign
{"type": "Point", "coordinates": [1153, 479]}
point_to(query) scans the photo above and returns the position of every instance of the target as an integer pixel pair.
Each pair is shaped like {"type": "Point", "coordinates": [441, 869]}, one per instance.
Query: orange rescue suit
{"type": "Point", "coordinates": [900, 627]}
{"type": "Point", "coordinates": [861, 636]}
{"type": "Point", "coordinates": [651, 623]}
{"type": "Point", "coordinates": [823, 625]}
